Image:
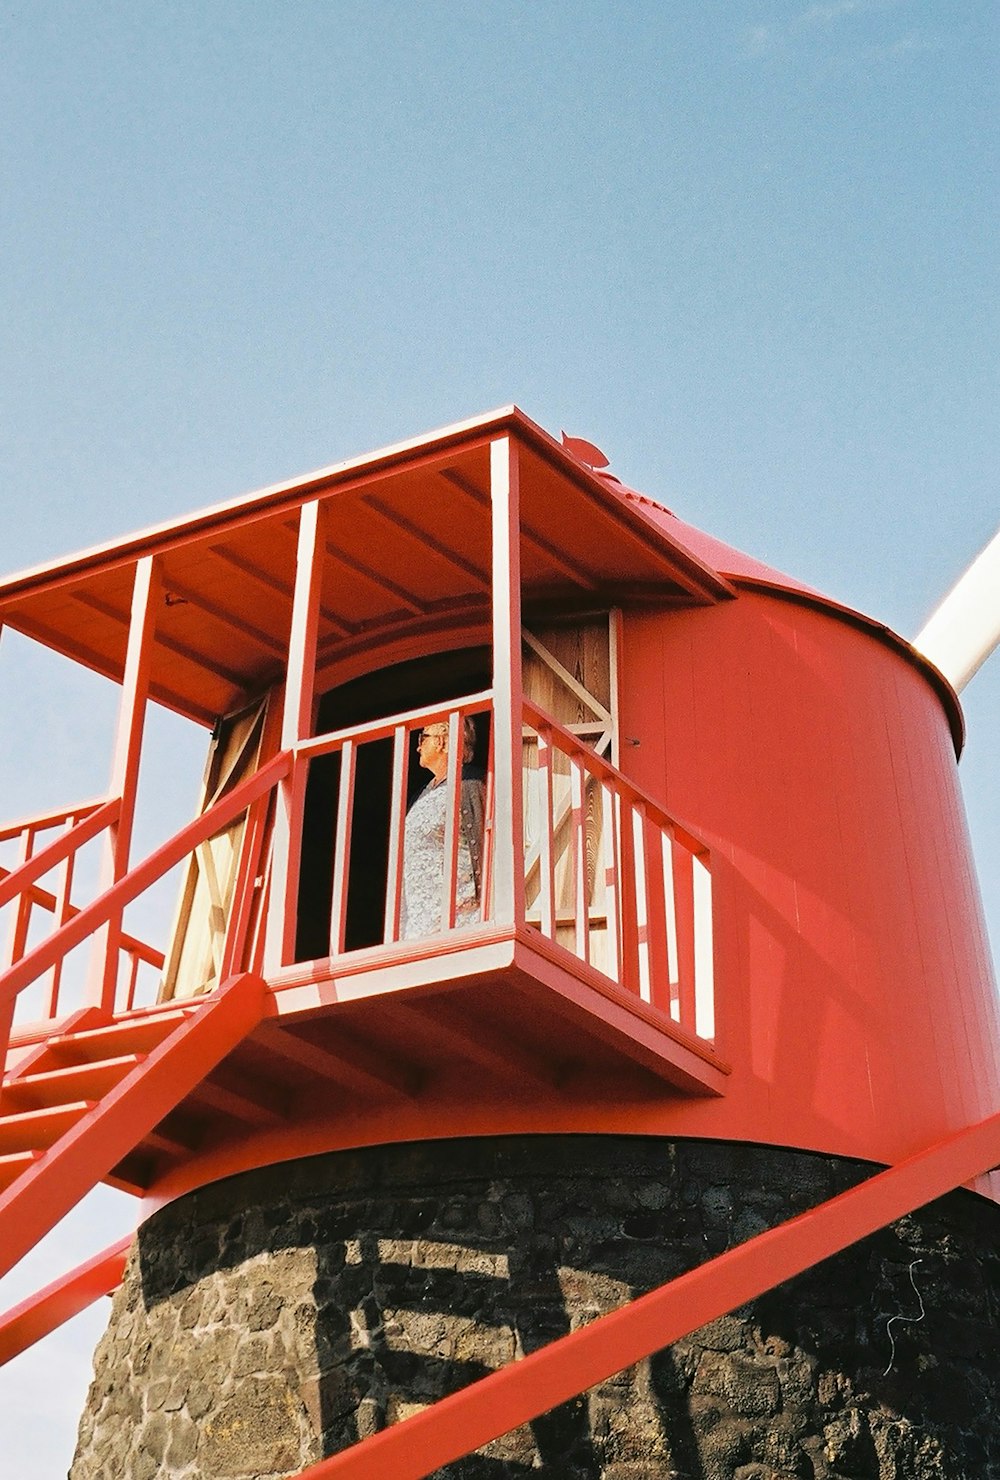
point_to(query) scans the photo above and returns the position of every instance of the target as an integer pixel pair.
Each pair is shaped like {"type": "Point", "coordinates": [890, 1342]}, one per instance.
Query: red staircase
{"type": "Point", "coordinates": [94, 1093]}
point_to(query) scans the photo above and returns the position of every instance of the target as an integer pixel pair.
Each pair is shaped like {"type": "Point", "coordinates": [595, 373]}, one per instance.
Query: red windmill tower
{"type": "Point", "coordinates": [717, 1008]}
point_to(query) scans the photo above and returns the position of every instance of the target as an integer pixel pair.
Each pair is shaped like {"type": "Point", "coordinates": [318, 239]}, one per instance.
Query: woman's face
{"type": "Point", "coordinates": [432, 749]}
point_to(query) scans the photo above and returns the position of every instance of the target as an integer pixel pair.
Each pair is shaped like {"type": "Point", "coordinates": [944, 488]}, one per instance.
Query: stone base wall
{"type": "Point", "coordinates": [276, 1317]}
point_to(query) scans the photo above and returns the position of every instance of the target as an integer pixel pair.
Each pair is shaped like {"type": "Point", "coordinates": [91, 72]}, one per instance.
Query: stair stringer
{"type": "Point", "coordinates": [115, 1124]}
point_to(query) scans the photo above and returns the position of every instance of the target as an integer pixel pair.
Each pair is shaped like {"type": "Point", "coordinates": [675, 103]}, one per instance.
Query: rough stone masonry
{"type": "Point", "coordinates": [278, 1316]}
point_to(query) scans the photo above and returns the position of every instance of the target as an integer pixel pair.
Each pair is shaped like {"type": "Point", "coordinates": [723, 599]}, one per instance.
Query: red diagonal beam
{"type": "Point", "coordinates": [456, 1425]}
{"type": "Point", "coordinates": [83, 1155]}
{"type": "Point", "coordinates": [49, 1308]}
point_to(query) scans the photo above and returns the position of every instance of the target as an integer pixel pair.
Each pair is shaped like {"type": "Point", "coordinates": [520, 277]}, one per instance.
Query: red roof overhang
{"type": "Point", "coordinates": [408, 548]}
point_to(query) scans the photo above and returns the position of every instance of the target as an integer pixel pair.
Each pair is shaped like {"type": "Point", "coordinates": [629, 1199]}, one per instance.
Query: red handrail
{"type": "Point", "coordinates": [598, 766]}
{"type": "Point", "coordinates": [657, 927]}
{"type": "Point", "coordinates": [115, 899]}
{"type": "Point", "coordinates": [42, 821]}
{"type": "Point", "coordinates": [39, 864]}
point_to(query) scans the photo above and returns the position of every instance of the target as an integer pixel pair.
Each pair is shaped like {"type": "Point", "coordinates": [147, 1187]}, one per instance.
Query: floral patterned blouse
{"type": "Point", "coordinates": [423, 860]}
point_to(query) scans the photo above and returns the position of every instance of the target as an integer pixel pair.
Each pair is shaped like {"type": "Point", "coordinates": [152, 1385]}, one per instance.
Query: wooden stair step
{"type": "Point", "coordinates": [125, 1035]}
{"type": "Point", "coordinates": [38, 1129]}
{"type": "Point", "coordinates": [86, 1081]}
{"type": "Point", "coordinates": [40, 1055]}
{"type": "Point", "coordinates": [12, 1165]}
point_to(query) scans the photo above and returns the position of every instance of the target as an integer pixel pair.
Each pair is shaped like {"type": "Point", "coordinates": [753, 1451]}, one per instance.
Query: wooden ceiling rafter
{"type": "Point", "coordinates": [165, 640]}
{"type": "Point", "coordinates": [427, 540]}
{"type": "Point", "coordinates": [97, 662]}
{"type": "Point", "coordinates": [568, 566]}
{"type": "Point", "coordinates": [428, 1021]}
{"type": "Point", "coordinates": [279, 587]}
{"type": "Point", "coordinates": [390, 587]}
{"type": "Point", "coordinates": [367, 572]}
{"type": "Point", "coordinates": [343, 1059]}
{"type": "Point", "coordinates": [222, 614]}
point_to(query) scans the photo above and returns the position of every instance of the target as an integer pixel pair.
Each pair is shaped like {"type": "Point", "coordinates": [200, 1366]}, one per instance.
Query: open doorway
{"type": "Point", "coordinates": [434, 679]}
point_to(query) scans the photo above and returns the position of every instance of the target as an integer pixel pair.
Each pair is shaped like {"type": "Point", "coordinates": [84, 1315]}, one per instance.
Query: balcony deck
{"type": "Point", "coordinates": [600, 984]}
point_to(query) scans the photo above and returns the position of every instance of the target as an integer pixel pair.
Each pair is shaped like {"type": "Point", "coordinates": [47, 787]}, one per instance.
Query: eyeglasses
{"type": "Point", "coordinates": [440, 734]}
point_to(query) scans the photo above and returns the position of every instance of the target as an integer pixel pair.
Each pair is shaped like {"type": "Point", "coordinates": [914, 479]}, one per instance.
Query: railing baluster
{"type": "Point", "coordinates": [342, 848]}
{"type": "Point", "coordinates": [684, 904]}
{"type": "Point", "coordinates": [61, 915]}
{"type": "Point", "coordinates": [546, 892]}
{"type": "Point", "coordinates": [17, 934]}
{"type": "Point", "coordinates": [397, 825]}
{"type": "Point", "coordinates": [453, 802]}
{"type": "Point", "coordinates": [704, 965]}
{"type": "Point", "coordinates": [486, 881]}
{"type": "Point", "coordinates": [610, 812]}
{"type": "Point", "coordinates": [656, 926]}
{"type": "Point", "coordinates": [241, 907]}
{"type": "Point", "coordinates": [581, 911]}
{"type": "Point", "coordinates": [16, 937]}
{"type": "Point", "coordinates": [133, 977]}
{"type": "Point", "coordinates": [670, 908]}
{"type": "Point", "coordinates": [627, 889]}
{"type": "Point", "coordinates": [638, 818]}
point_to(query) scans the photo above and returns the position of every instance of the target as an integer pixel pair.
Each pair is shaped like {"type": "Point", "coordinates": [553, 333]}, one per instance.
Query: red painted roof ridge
{"type": "Point", "coordinates": [726, 559]}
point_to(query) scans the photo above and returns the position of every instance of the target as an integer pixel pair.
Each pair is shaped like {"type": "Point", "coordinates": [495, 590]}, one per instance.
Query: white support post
{"type": "Point", "coordinates": [965, 628]}
{"type": "Point", "coordinates": [508, 838]}
{"type": "Point", "coordinates": [125, 772]}
{"type": "Point", "coordinates": [296, 724]}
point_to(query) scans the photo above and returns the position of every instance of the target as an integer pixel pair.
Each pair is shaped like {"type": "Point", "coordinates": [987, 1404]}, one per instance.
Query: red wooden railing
{"type": "Point", "coordinates": [612, 877]}
{"type": "Point", "coordinates": [20, 890]}
{"type": "Point", "coordinates": [27, 897]}
{"type": "Point", "coordinates": [82, 923]}
{"type": "Point", "coordinates": [608, 875]}
{"type": "Point", "coordinates": [401, 730]}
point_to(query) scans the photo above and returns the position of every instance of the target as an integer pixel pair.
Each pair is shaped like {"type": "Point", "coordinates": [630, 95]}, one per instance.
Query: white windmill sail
{"type": "Point", "coordinates": [965, 628]}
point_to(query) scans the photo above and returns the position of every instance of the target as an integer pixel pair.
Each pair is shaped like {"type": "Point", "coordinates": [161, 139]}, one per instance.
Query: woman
{"type": "Point", "coordinates": [424, 839]}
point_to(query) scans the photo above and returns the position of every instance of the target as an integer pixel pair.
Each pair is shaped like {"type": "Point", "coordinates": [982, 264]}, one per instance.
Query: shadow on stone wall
{"type": "Point", "coordinates": [280, 1315]}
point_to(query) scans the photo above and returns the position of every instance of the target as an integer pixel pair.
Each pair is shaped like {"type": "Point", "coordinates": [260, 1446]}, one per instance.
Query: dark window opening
{"type": "Point", "coordinates": [405, 686]}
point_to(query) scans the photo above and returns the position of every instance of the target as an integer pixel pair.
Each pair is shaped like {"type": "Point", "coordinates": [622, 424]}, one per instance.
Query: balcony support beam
{"type": "Point", "coordinates": [508, 840]}
{"type": "Point", "coordinates": [125, 772]}
{"type": "Point", "coordinates": [296, 725]}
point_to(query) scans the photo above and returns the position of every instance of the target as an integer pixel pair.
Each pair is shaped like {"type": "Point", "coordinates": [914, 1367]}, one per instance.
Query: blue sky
{"type": "Point", "coordinates": [746, 246]}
